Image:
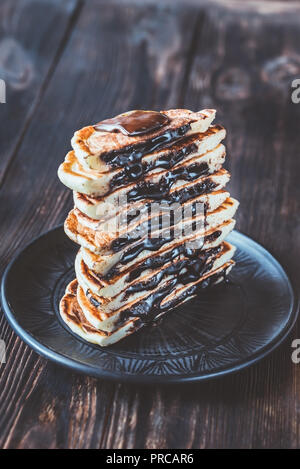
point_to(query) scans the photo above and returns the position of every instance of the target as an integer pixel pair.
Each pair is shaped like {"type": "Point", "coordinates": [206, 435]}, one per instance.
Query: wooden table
{"type": "Point", "coordinates": [69, 63]}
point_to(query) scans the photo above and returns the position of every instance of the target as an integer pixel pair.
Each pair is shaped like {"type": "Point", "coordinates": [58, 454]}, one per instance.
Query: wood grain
{"type": "Point", "coordinates": [27, 56]}
{"type": "Point", "coordinates": [107, 58]}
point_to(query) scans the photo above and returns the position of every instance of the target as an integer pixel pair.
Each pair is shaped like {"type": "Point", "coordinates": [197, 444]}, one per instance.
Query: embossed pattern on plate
{"type": "Point", "coordinates": [224, 329]}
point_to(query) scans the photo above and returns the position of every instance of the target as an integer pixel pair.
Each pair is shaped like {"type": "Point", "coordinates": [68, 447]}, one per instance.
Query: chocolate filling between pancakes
{"type": "Point", "coordinates": [148, 309]}
{"type": "Point", "coordinates": [131, 155]}
{"type": "Point", "coordinates": [154, 243]}
{"type": "Point", "coordinates": [135, 171]}
{"type": "Point", "coordinates": [155, 262]}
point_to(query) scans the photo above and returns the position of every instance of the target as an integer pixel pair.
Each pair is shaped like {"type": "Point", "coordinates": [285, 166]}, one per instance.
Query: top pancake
{"type": "Point", "coordinates": [98, 149]}
{"type": "Point", "coordinates": [92, 182]}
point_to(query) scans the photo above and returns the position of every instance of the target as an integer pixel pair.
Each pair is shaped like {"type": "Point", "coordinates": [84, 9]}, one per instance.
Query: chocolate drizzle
{"type": "Point", "coordinates": [167, 161]}
{"type": "Point", "coordinates": [213, 236]}
{"type": "Point", "coordinates": [145, 229]}
{"type": "Point", "coordinates": [160, 190]}
{"type": "Point", "coordinates": [176, 196]}
{"type": "Point", "coordinates": [148, 310]}
{"type": "Point", "coordinates": [148, 244]}
{"type": "Point", "coordinates": [155, 262]}
{"type": "Point", "coordinates": [187, 270]}
{"type": "Point", "coordinates": [155, 243]}
{"type": "Point", "coordinates": [130, 156]}
{"type": "Point", "coordinates": [134, 123]}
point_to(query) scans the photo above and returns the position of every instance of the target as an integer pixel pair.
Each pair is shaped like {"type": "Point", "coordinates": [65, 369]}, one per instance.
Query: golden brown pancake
{"type": "Point", "coordinates": [91, 146]}
{"type": "Point", "coordinates": [201, 148]}
{"type": "Point", "coordinates": [126, 321]}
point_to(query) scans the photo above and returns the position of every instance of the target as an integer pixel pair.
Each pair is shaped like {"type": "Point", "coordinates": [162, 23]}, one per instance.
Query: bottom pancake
{"type": "Point", "coordinates": [72, 315]}
{"type": "Point", "coordinates": [146, 297]}
{"type": "Point", "coordinates": [75, 319]}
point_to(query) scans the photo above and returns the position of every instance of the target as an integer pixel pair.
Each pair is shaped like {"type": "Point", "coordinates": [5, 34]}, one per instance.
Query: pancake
{"type": "Point", "coordinates": [132, 226]}
{"type": "Point", "coordinates": [182, 260]}
{"type": "Point", "coordinates": [181, 272]}
{"type": "Point", "coordinates": [101, 150]}
{"type": "Point", "coordinates": [73, 175]}
{"type": "Point", "coordinates": [74, 318]}
{"type": "Point", "coordinates": [87, 231]}
{"type": "Point", "coordinates": [107, 268]}
{"type": "Point", "coordinates": [146, 217]}
{"type": "Point", "coordinates": [180, 192]}
{"type": "Point", "coordinates": [71, 313]}
{"type": "Point", "coordinates": [132, 213]}
{"type": "Point", "coordinates": [83, 232]}
{"type": "Point", "coordinates": [108, 314]}
{"type": "Point", "coordinates": [162, 185]}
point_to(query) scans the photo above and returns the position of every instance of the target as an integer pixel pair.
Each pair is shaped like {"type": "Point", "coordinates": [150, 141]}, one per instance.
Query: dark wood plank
{"type": "Point", "coordinates": [247, 74]}
{"type": "Point", "coordinates": [120, 57]}
{"type": "Point", "coordinates": [27, 55]}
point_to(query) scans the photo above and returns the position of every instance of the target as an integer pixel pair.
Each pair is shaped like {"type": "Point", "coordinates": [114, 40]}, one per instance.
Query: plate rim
{"type": "Point", "coordinates": [76, 366]}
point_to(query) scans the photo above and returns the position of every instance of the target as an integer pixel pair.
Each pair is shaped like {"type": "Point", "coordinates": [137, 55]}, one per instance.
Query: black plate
{"type": "Point", "coordinates": [224, 330]}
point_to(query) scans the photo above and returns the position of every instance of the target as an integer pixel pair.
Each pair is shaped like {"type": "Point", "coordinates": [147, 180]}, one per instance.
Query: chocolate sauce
{"type": "Point", "coordinates": [187, 193]}
{"type": "Point", "coordinates": [195, 266]}
{"type": "Point", "coordinates": [167, 161]}
{"type": "Point", "coordinates": [134, 123]}
{"type": "Point", "coordinates": [156, 262]}
{"type": "Point", "coordinates": [215, 235]}
{"type": "Point", "coordinates": [131, 155]}
{"type": "Point", "coordinates": [161, 189]}
{"type": "Point", "coordinates": [154, 243]}
{"type": "Point", "coordinates": [147, 310]}
{"type": "Point", "coordinates": [144, 229]}
{"type": "Point", "coordinates": [131, 215]}
{"type": "Point", "coordinates": [155, 221]}
{"type": "Point", "coordinates": [150, 244]}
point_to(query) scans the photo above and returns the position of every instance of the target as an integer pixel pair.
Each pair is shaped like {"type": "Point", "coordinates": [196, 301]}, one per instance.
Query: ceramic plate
{"type": "Point", "coordinates": [225, 329]}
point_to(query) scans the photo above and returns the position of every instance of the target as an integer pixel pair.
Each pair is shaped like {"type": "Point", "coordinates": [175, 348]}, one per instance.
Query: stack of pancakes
{"type": "Point", "coordinates": [151, 215]}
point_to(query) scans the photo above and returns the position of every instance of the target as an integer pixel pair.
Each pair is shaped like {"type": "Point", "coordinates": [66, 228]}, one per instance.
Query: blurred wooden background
{"type": "Point", "coordinates": [69, 63]}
